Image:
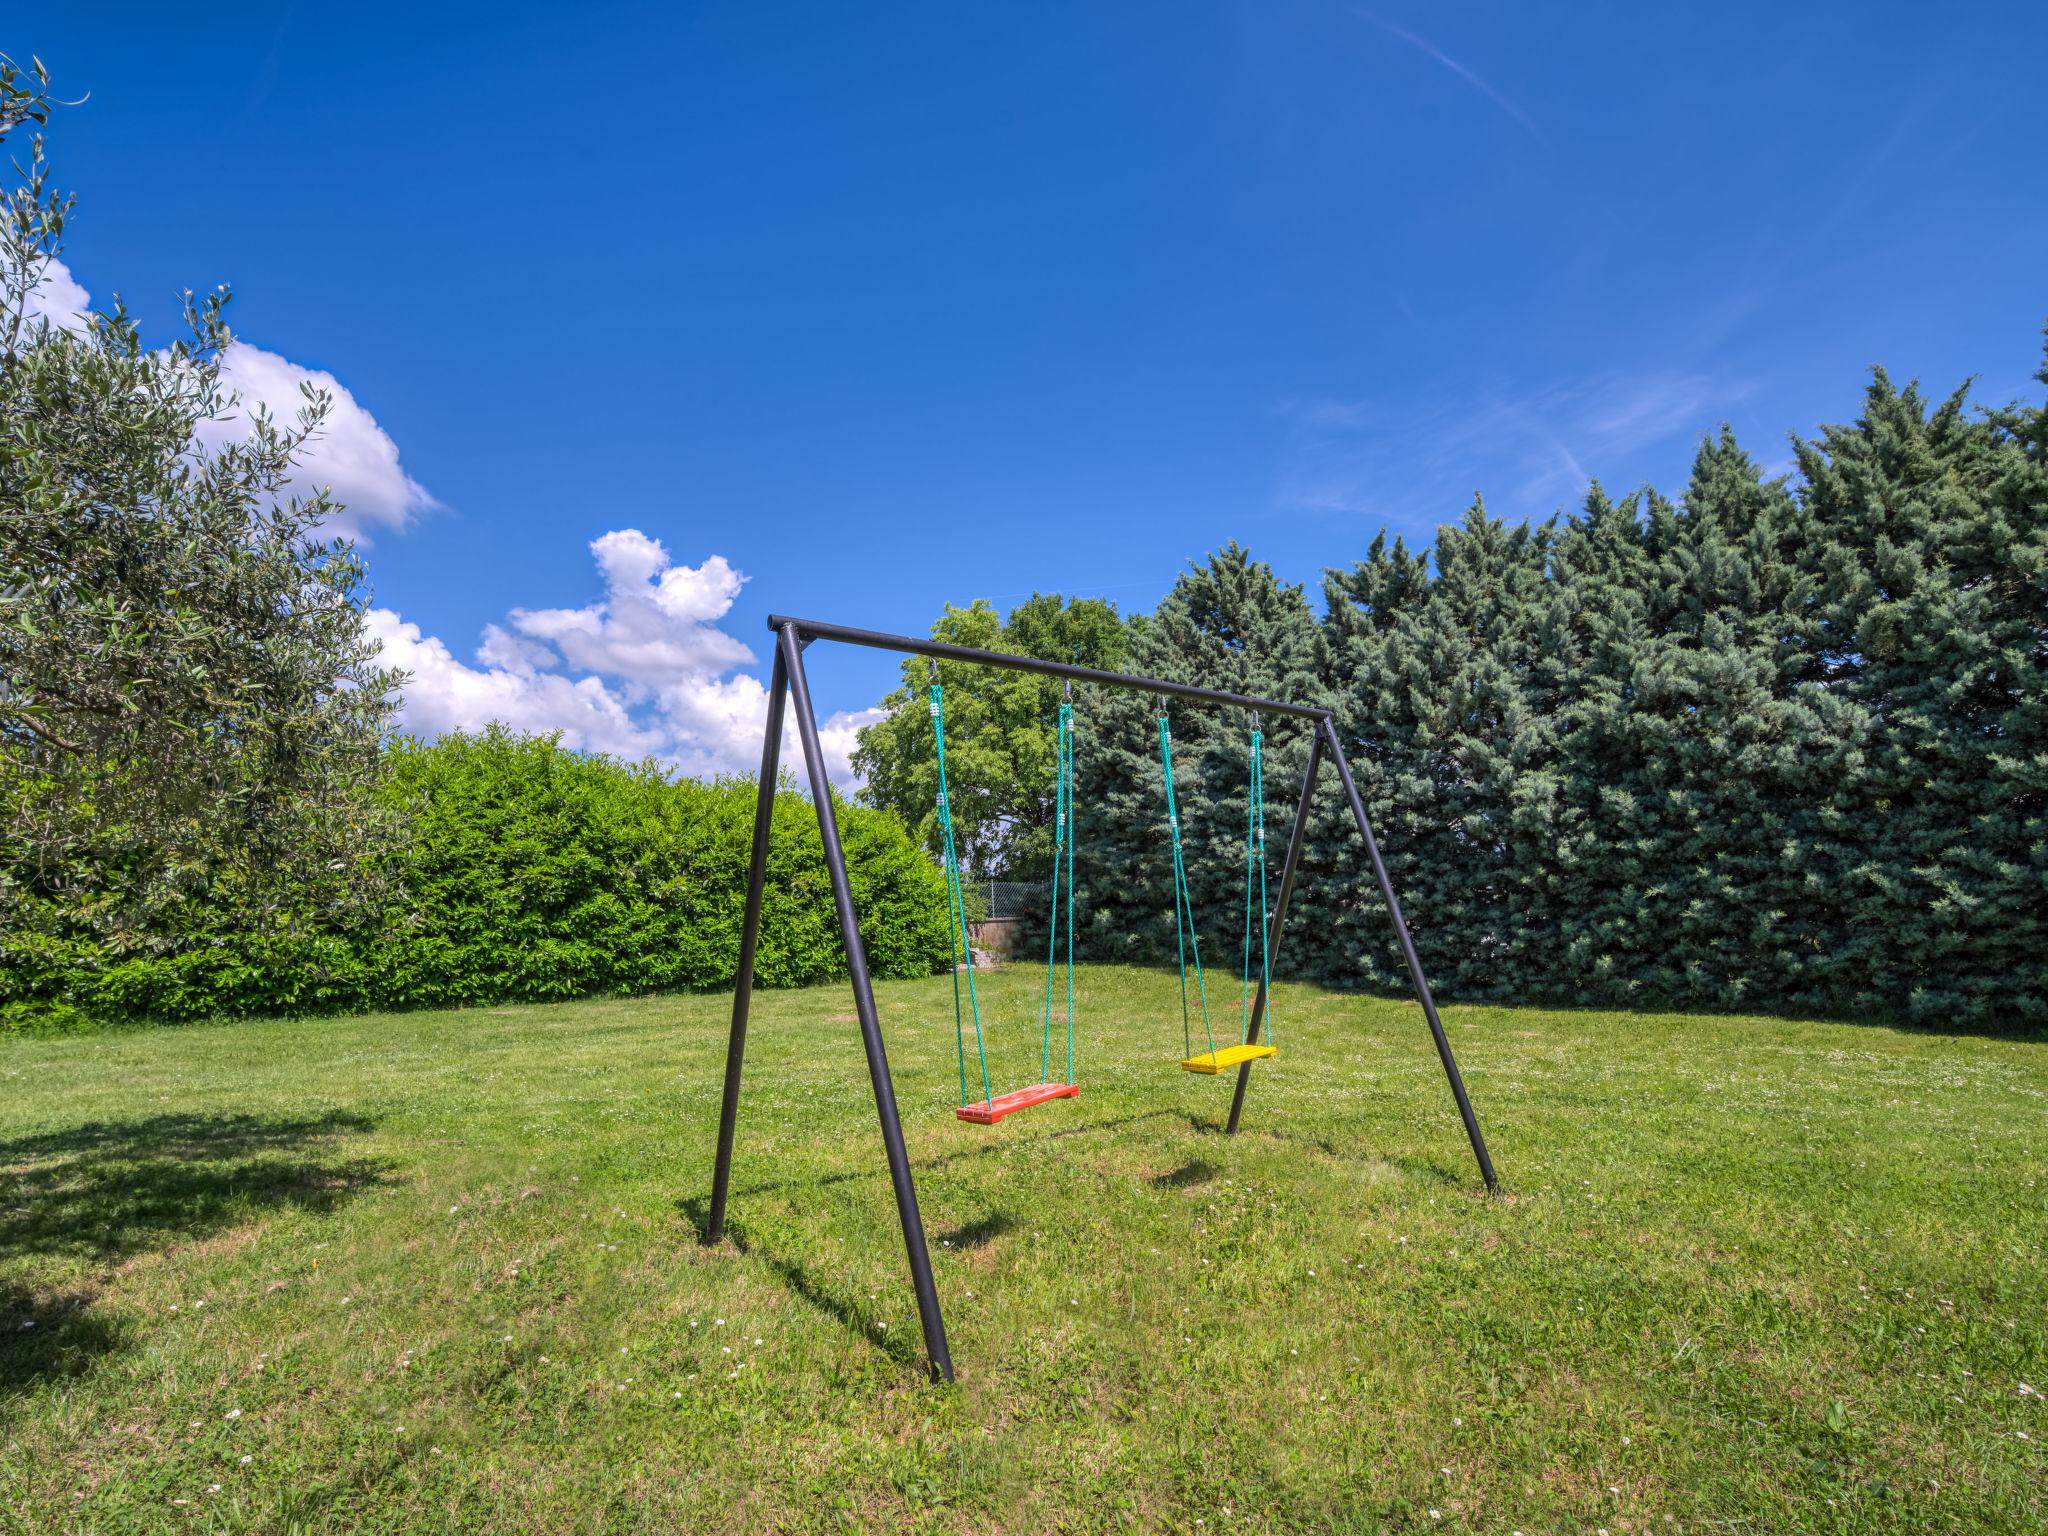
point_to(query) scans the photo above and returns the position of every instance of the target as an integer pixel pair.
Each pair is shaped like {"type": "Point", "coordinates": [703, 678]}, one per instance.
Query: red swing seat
{"type": "Point", "coordinates": [989, 1111]}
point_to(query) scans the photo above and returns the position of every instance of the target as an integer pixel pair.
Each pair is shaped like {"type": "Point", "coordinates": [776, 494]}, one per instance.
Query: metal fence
{"type": "Point", "coordinates": [1015, 898]}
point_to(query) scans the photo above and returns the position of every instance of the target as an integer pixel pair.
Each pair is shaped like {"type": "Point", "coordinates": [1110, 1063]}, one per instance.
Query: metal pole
{"type": "Point", "coordinates": [750, 938]}
{"type": "Point", "coordinates": [910, 645]}
{"type": "Point", "coordinates": [1436, 1026]}
{"type": "Point", "coordinates": [864, 1004]}
{"type": "Point", "coordinates": [1278, 921]}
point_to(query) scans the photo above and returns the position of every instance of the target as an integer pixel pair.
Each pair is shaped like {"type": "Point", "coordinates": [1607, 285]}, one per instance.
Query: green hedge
{"type": "Point", "coordinates": [526, 873]}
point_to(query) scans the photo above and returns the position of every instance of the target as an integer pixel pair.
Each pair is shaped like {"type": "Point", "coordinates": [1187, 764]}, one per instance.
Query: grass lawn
{"type": "Point", "coordinates": [439, 1271]}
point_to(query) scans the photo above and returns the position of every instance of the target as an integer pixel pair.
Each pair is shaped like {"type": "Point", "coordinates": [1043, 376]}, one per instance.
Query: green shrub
{"type": "Point", "coordinates": [527, 873]}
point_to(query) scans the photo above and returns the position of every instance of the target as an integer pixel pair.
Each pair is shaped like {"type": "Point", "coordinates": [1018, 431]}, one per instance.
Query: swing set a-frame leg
{"type": "Point", "coordinates": [1325, 738]}
{"type": "Point", "coordinates": [1422, 992]}
{"type": "Point", "coordinates": [750, 939]}
{"type": "Point", "coordinates": [789, 665]}
{"type": "Point", "coordinates": [1277, 921]}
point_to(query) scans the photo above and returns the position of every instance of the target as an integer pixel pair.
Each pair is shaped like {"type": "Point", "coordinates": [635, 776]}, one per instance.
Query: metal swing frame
{"type": "Point", "coordinates": [788, 684]}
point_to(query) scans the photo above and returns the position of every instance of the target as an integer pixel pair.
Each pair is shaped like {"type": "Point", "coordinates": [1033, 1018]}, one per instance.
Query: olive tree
{"type": "Point", "coordinates": [187, 695]}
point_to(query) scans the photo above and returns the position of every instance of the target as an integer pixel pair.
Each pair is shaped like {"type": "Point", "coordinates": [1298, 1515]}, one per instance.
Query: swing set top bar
{"type": "Point", "coordinates": [814, 629]}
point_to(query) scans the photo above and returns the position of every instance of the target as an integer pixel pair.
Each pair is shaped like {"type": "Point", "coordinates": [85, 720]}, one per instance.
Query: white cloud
{"type": "Point", "coordinates": [59, 297]}
{"type": "Point", "coordinates": [352, 456]}
{"type": "Point", "coordinates": [654, 625]}
{"type": "Point", "coordinates": [445, 695]}
{"type": "Point", "coordinates": [643, 672]}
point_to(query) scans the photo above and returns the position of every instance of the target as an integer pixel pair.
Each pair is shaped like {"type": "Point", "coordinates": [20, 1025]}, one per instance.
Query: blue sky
{"type": "Point", "coordinates": [854, 310]}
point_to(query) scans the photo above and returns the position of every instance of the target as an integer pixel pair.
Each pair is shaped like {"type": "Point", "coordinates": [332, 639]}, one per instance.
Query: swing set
{"type": "Point", "coordinates": [992, 1107]}
{"type": "Point", "coordinates": [1254, 1042]}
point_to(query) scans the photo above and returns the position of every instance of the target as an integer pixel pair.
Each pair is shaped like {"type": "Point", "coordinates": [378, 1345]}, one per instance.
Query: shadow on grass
{"type": "Point", "coordinates": [994, 1147]}
{"type": "Point", "coordinates": [104, 1193]}
{"type": "Point", "coordinates": [1197, 1171]}
{"type": "Point", "coordinates": [1214, 1125]}
{"type": "Point", "coordinates": [1455, 1175]}
{"type": "Point", "coordinates": [843, 1310]}
{"type": "Point", "coordinates": [696, 1210]}
{"type": "Point", "coordinates": [978, 1233]}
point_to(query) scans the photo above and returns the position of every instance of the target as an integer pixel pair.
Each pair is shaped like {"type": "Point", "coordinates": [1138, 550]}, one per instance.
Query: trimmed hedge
{"type": "Point", "coordinates": [527, 873]}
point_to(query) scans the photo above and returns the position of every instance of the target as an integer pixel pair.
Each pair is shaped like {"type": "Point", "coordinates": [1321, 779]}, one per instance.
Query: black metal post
{"type": "Point", "coordinates": [1436, 1026]}
{"type": "Point", "coordinates": [1278, 921]}
{"type": "Point", "coordinates": [750, 939]}
{"type": "Point", "coordinates": [939, 650]}
{"type": "Point", "coordinates": [934, 1325]}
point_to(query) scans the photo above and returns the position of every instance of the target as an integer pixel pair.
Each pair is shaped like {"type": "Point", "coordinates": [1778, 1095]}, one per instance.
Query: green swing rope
{"type": "Point", "coordinates": [1063, 841]}
{"type": "Point", "coordinates": [956, 914]}
{"type": "Point", "coordinates": [1184, 936]}
{"type": "Point", "coordinates": [1255, 853]}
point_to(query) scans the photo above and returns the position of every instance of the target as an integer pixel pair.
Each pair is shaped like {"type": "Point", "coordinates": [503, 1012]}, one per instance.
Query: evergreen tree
{"type": "Point", "coordinates": [1700, 758]}
{"type": "Point", "coordinates": [1454, 764]}
{"type": "Point", "coordinates": [1782, 744]}
{"type": "Point", "coordinates": [1930, 543]}
{"type": "Point", "coordinates": [1228, 624]}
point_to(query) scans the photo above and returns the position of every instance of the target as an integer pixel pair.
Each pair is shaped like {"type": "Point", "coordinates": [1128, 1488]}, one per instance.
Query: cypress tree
{"type": "Point", "coordinates": [1701, 759]}
{"type": "Point", "coordinates": [1931, 541]}
{"type": "Point", "coordinates": [1228, 624]}
{"type": "Point", "coordinates": [1454, 764]}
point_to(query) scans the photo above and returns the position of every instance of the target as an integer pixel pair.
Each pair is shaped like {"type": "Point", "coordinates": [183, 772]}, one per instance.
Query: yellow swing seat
{"type": "Point", "coordinates": [1229, 1056]}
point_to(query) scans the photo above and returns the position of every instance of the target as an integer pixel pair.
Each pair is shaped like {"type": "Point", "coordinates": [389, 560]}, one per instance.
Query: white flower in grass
{"type": "Point", "coordinates": [1436, 1514]}
{"type": "Point", "coordinates": [245, 1461]}
{"type": "Point", "coordinates": [234, 1413]}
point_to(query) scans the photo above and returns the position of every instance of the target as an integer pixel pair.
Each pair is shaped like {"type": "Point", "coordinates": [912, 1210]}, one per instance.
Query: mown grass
{"type": "Point", "coordinates": [439, 1272]}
